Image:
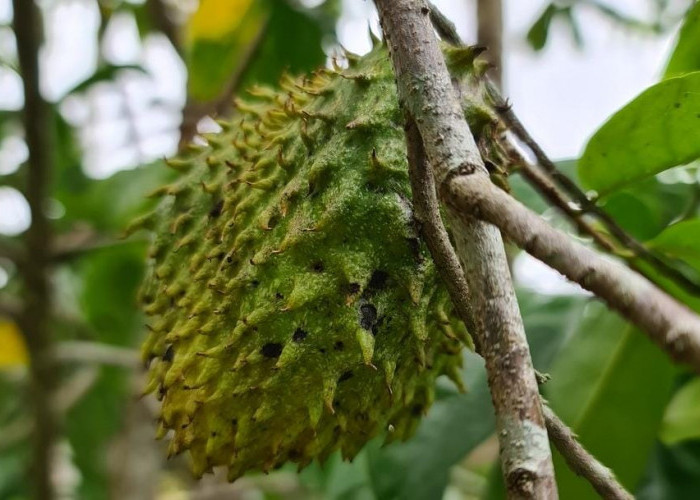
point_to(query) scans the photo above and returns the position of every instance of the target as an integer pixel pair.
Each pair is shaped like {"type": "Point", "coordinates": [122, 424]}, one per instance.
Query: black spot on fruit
{"type": "Point", "coordinates": [272, 350]}
{"type": "Point", "coordinates": [345, 376]}
{"type": "Point", "coordinates": [378, 280]}
{"type": "Point", "coordinates": [368, 316]}
{"type": "Point", "coordinates": [169, 353]}
{"type": "Point", "coordinates": [339, 346]}
{"type": "Point", "coordinates": [299, 335]}
{"type": "Point", "coordinates": [216, 209]}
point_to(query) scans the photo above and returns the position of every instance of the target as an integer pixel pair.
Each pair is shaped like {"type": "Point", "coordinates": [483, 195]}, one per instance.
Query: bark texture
{"type": "Point", "coordinates": [426, 212]}
{"type": "Point", "coordinates": [670, 324]}
{"type": "Point", "coordinates": [429, 100]}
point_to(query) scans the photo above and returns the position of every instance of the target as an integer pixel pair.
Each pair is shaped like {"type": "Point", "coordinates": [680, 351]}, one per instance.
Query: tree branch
{"type": "Point", "coordinates": [581, 462]}
{"type": "Point", "coordinates": [37, 301]}
{"type": "Point", "coordinates": [542, 183]}
{"type": "Point", "coordinates": [674, 327]}
{"type": "Point", "coordinates": [587, 205]}
{"type": "Point", "coordinates": [80, 351]}
{"type": "Point", "coordinates": [426, 212]}
{"type": "Point", "coordinates": [163, 20]}
{"type": "Point", "coordinates": [427, 97]}
{"type": "Point", "coordinates": [670, 324]}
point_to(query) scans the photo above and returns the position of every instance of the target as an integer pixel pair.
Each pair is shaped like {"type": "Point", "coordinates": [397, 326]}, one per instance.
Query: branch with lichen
{"type": "Point", "coordinates": [435, 120]}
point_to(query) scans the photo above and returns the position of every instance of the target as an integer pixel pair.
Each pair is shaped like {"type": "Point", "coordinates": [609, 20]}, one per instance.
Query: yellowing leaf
{"type": "Point", "coordinates": [13, 351]}
{"type": "Point", "coordinates": [215, 19]}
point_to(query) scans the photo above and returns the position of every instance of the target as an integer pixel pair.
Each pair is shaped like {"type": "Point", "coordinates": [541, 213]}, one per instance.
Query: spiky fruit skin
{"type": "Point", "coordinates": [293, 308]}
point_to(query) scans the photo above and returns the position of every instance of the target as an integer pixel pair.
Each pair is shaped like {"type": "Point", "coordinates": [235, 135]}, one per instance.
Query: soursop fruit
{"type": "Point", "coordinates": [293, 309]}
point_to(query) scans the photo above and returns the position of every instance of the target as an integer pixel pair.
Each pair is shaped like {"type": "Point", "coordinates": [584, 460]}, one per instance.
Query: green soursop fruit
{"type": "Point", "coordinates": [294, 310]}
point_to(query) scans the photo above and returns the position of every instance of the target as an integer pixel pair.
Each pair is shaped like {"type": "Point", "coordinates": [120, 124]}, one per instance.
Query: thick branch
{"type": "Point", "coordinates": [581, 462]}
{"type": "Point", "coordinates": [674, 327]}
{"type": "Point", "coordinates": [426, 95]}
{"type": "Point", "coordinates": [37, 300]}
{"type": "Point", "coordinates": [426, 211]}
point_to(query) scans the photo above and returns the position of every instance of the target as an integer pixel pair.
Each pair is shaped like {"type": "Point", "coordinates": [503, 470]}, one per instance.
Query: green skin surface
{"type": "Point", "coordinates": [293, 308]}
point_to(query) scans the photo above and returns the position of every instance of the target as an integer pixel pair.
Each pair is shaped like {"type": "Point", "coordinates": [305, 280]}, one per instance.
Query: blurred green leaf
{"type": "Point", "coordinates": [647, 207]}
{"type": "Point", "coordinates": [419, 468]}
{"type": "Point", "coordinates": [218, 44]}
{"type": "Point", "coordinates": [673, 473]}
{"type": "Point", "coordinates": [658, 130]}
{"type": "Point", "coordinates": [685, 57]}
{"type": "Point", "coordinates": [266, 37]}
{"type": "Point", "coordinates": [568, 17]}
{"type": "Point", "coordinates": [292, 43]}
{"type": "Point", "coordinates": [681, 240]}
{"type": "Point", "coordinates": [538, 33]}
{"type": "Point", "coordinates": [110, 278]}
{"type": "Point", "coordinates": [110, 204]}
{"type": "Point", "coordinates": [682, 418]}
{"type": "Point", "coordinates": [611, 385]}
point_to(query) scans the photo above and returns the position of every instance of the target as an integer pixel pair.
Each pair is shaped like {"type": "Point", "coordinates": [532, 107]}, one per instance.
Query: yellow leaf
{"type": "Point", "coordinates": [215, 19]}
{"type": "Point", "coordinates": [13, 351]}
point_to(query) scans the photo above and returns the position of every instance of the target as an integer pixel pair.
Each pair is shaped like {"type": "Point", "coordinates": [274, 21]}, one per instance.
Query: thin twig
{"type": "Point", "coordinates": [581, 462]}
{"type": "Point", "coordinates": [587, 205]}
{"type": "Point", "coordinates": [489, 14]}
{"type": "Point", "coordinates": [37, 302]}
{"type": "Point", "coordinates": [10, 307]}
{"type": "Point", "coordinates": [428, 99]}
{"type": "Point", "coordinates": [163, 20]}
{"type": "Point", "coordinates": [544, 185]}
{"type": "Point", "coordinates": [442, 24]}
{"type": "Point", "coordinates": [79, 351]}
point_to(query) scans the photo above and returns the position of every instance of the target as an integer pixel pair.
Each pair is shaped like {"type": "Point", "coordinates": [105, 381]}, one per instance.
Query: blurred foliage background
{"type": "Point", "coordinates": [160, 70]}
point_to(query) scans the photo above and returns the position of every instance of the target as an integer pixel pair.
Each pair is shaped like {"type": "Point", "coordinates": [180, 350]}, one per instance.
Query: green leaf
{"type": "Point", "coordinates": [681, 240]}
{"type": "Point", "coordinates": [292, 43]}
{"type": "Point", "coordinates": [682, 418]}
{"type": "Point", "coordinates": [686, 56]}
{"type": "Point", "coordinates": [110, 204]}
{"type": "Point", "coordinates": [658, 130]}
{"type": "Point", "coordinates": [611, 385]}
{"type": "Point", "coordinates": [269, 37]}
{"type": "Point", "coordinates": [110, 278]}
{"type": "Point", "coordinates": [674, 473]}
{"type": "Point", "coordinates": [538, 33]}
{"type": "Point", "coordinates": [219, 45]}
{"type": "Point", "coordinates": [649, 206]}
